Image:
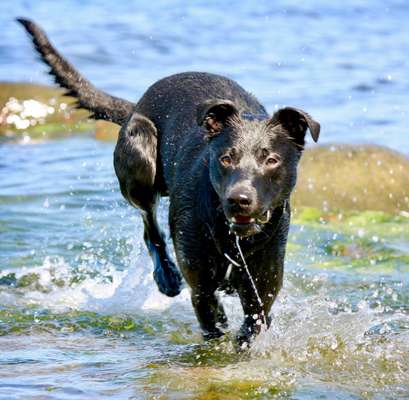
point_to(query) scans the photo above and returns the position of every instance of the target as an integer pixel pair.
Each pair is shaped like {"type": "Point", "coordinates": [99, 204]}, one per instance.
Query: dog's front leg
{"type": "Point", "coordinates": [254, 312]}
{"type": "Point", "coordinates": [209, 312]}
{"type": "Point", "coordinates": [203, 280]}
{"type": "Point", "coordinates": [202, 276]}
{"type": "Point", "coordinates": [267, 277]}
{"type": "Point", "coordinates": [202, 267]}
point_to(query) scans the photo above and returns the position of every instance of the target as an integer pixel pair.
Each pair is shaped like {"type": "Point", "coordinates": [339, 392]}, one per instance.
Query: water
{"type": "Point", "coordinates": [343, 62]}
{"type": "Point", "coordinates": [80, 316]}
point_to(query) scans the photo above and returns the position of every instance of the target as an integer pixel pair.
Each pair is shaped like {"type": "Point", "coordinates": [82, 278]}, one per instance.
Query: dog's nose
{"type": "Point", "coordinates": [240, 199]}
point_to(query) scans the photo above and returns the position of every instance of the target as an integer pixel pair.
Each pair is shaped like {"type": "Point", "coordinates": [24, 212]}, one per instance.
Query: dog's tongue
{"type": "Point", "coordinates": [242, 219]}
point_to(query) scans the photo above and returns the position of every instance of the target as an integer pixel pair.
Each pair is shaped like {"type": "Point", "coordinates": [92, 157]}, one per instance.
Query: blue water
{"type": "Point", "coordinates": [80, 316]}
{"type": "Point", "coordinates": [344, 62]}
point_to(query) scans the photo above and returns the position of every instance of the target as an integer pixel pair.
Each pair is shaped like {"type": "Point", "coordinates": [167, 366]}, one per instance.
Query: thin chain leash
{"type": "Point", "coordinates": [235, 263]}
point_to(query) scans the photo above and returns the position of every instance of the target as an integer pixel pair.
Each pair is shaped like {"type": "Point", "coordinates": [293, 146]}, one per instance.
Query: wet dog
{"type": "Point", "coordinates": [228, 168]}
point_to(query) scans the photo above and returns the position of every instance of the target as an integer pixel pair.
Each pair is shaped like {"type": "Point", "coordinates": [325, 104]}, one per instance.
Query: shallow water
{"type": "Point", "coordinates": [80, 316]}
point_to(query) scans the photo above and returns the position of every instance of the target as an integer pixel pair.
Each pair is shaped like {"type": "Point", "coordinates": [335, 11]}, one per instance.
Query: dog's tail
{"type": "Point", "coordinates": [101, 104]}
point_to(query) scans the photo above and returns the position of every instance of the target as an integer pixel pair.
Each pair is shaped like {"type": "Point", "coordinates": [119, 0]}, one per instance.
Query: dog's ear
{"type": "Point", "coordinates": [296, 122]}
{"type": "Point", "coordinates": [214, 115]}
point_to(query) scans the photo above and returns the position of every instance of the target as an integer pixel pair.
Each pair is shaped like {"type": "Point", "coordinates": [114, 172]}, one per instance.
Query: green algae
{"type": "Point", "coordinates": [203, 383]}
{"type": "Point", "coordinates": [350, 217]}
{"type": "Point", "coordinates": [32, 280]}
{"type": "Point", "coordinates": [365, 242]}
{"type": "Point", "coordinates": [217, 352]}
{"type": "Point", "coordinates": [184, 334]}
{"type": "Point", "coordinates": [26, 320]}
{"type": "Point", "coordinates": [362, 223]}
{"type": "Point", "coordinates": [28, 280]}
{"type": "Point", "coordinates": [237, 389]}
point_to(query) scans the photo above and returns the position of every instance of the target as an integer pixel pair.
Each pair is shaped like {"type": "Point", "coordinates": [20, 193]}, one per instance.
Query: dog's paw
{"type": "Point", "coordinates": [214, 334]}
{"type": "Point", "coordinates": [168, 279]}
{"type": "Point", "coordinates": [246, 335]}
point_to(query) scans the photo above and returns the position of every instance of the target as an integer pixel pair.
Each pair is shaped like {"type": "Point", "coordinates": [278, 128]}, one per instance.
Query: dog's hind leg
{"type": "Point", "coordinates": [135, 166]}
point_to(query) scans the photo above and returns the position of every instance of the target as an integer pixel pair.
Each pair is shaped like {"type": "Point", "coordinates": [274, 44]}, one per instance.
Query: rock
{"type": "Point", "coordinates": [350, 177]}
{"type": "Point", "coordinates": [35, 111]}
{"type": "Point", "coordinates": [106, 131]}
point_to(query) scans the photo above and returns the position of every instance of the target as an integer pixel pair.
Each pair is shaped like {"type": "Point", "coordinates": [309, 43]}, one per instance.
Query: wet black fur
{"type": "Point", "coordinates": [170, 144]}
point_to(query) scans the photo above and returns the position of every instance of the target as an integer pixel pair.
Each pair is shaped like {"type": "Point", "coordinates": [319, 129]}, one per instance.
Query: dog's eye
{"type": "Point", "coordinates": [273, 161]}
{"type": "Point", "coordinates": [226, 160]}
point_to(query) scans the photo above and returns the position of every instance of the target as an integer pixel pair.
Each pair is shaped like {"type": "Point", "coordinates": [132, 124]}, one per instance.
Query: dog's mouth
{"type": "Point", "coordinates": [242, 219]}
{"type": "Point", "coordinates": [247, 225]}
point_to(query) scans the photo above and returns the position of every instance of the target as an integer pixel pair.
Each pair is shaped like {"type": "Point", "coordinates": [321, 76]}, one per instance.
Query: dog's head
{"type": "Point", "coordinates": [253, 161]}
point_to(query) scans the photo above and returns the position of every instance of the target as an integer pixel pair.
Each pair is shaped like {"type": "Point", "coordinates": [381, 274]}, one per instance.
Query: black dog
{"type": "Point", "coordinates": [228, 168]}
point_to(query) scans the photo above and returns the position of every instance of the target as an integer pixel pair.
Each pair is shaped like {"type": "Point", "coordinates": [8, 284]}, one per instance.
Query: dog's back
{"type": "Point", "coordinates": [171, 104]}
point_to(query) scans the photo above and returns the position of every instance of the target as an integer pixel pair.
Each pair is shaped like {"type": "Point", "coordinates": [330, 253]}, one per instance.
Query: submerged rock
{"type": "Point", "coordinates": [360, 241]}
{"type": "Point", "coordinates": [31, 112]}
